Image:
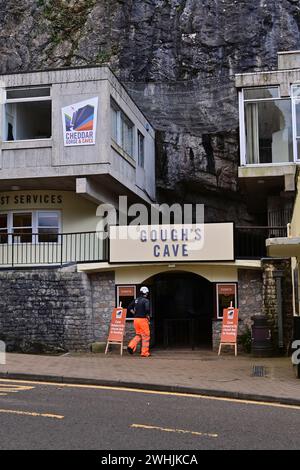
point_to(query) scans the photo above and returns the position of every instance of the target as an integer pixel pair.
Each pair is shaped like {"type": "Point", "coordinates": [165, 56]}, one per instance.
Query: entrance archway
{"type": "Point", "coordinates": [182, 310]}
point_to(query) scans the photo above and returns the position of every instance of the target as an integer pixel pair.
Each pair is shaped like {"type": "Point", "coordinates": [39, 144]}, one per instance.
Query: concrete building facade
{"type": "Point", "coordinates": [72, 140]}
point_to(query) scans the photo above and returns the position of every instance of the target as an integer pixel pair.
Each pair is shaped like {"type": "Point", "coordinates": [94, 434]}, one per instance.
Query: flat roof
{"type": "Point", "coordinates": [76, 68]}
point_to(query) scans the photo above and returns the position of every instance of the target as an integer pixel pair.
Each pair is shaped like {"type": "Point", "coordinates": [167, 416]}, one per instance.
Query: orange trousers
{"type": "Point", "coordinates": [142, 331]}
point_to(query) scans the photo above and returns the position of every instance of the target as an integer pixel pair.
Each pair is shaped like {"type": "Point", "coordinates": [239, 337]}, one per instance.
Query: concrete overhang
{"type": "Point", "coordinates": [285, 171]}
{"type": "Point", "coordinates": [285, 247]}
{"type": "Point", "coordinates": [105, 266]}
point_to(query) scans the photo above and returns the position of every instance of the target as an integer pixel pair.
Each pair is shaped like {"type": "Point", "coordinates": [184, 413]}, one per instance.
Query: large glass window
{"type": "Point", "coordinates": [296, 104]}
{"type": "Point", "coordinates": [122, 129]}
{"type": "Point", "coordinates": [268, 128]}
{"type": "Point", "coordinates": [30, 227]}
{"type": "Point", "coordinates": [27, 114]}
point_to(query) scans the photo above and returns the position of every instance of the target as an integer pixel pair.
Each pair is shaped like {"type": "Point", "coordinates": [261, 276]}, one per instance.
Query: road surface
{"type": "Point", "coordinates": [52, 416]}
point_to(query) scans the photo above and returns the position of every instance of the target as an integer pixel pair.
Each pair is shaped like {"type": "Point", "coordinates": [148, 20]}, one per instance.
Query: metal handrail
{"type": "Point", "coordinates": [86, 247]}
{"type": "Point", "coordinates": [27, 248]}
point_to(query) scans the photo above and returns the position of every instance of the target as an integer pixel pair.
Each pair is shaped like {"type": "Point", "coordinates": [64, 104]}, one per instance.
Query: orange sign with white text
{"type": "Point", "coordinates": [230, 325]}
{"type": "Point", "coordinates": [117, 325]}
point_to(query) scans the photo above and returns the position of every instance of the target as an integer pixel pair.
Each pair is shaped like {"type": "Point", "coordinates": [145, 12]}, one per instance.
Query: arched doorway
{"type": "Point", "coordinates": [182, 310]}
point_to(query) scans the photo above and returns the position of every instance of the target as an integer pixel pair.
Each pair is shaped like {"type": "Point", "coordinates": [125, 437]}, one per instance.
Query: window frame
{"type": "Point", "coordinates": [3, 229]}
{"type": "Point", "coordinates": [25, 100]}
{"type": "Point", "coordinates": [126, 286]}
{"type": "Point", "coordinates": [141, 159]}
{"type": "Point", "coordinates": [243, 138]}
{"type": "Point", "coordinates": [295, 101]}
{"type": "Point", "coordinates": [122, 119]}
{"type": "Point", "coordinates": [219, 315]}
{"type": "Point", "coordinates": [34, 225]}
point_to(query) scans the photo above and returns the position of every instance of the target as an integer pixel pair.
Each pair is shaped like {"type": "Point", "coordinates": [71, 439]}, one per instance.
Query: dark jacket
{"type": "Point", "coordinates": [141, 307]}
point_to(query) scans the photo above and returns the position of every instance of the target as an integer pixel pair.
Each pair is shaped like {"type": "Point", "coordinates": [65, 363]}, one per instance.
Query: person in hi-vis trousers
{"type": "Point", "coordinates": [140, 308]}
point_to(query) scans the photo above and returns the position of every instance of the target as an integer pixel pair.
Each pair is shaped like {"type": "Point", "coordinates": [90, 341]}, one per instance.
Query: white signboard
{"type": "Point", "coordinates": [172, 243]}
{"type": "Point", "coordinates": [80, 122]}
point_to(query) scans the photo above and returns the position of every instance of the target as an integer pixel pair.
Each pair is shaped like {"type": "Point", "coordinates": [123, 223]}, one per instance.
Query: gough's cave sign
{"type": "Point", "coordinates": [19, 199]}
{"type": "Point", "coordinates": [172, 243]}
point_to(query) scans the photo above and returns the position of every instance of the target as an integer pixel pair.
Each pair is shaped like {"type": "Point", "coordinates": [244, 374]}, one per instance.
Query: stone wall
{"type": "Point", "coordinates": [270, 266]}
{"type": "Point", "coordinates": [56, 310]}
{"type": "Point", "coordinates": [250, 296]}
{"type": "Point", "coordinates": [45, 310]}
{"type": "Point", "coordinates": [103, 300]}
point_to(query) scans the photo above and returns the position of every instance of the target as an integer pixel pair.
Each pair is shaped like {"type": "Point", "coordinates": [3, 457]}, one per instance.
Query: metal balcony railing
{"type": "Point", "coordinates": [27, 249]}
{"type": "Point", "coordinates": [250, 242]}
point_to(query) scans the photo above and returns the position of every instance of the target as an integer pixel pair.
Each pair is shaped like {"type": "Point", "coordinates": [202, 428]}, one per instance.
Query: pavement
{"type": "Point", "coordinates": [182, 371]}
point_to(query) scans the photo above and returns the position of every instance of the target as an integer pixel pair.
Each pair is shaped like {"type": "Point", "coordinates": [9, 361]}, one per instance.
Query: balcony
{"type": "Point", "coordinates": [26, 249]}
{"type": "Point", "coordinates": [250, 242]}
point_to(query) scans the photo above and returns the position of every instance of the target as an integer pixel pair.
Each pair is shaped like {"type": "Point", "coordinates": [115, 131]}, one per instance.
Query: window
{"type": "Point", "coordinates": [261, 93]}
{"type": "Point", "coordinates": [48, 227]}
{"type": "Point", "coordinates": [114, 124]}
{"type": "Point", "coordinates": [22, 227]}
{"type": "Point", "coordinates": [3, 228]}
{"type": "Point", "coordinates": [141, 150]}
{"type": "Point", "coordinates": [30, 227]}
{"type": "Point", "coordinates": [266, 124]}
{"type": "Point", "coordinates": [127, 135]}
{"type": "Point", "coordinates": [122, 129]}
{"type": "Point", "coordinates": [27, 113]}
{"type": "Point", "coordinates": [125, 295]}
{"type": "Point", "coordinates": [296, 113]}
{"type": "Point", "coordinates": [226, 293]}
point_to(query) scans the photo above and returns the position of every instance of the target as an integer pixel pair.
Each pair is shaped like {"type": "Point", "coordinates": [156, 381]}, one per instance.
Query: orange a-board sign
{"type": "Point", "coordinates": [230, 328]}
{"type": "Point", "coordinates": [117, 328]}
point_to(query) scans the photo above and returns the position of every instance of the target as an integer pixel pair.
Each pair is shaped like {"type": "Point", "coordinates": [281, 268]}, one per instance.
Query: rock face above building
{"type": "Point", "coordinates": [178, 59]}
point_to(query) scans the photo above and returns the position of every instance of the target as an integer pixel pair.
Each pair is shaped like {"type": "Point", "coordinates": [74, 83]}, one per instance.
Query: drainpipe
{"type": "Point", "coordinates": [278, 275]}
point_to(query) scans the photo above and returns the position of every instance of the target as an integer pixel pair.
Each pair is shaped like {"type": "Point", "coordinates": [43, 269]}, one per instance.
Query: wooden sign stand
{"type": "Point", "coordinates": [114, 342]}
{"type": "Point", "coordinates": [117, 329]}
{"type": "Point", "coordinates": [229, 329]}
{"type": "Point", "coordinates": [228, 344]}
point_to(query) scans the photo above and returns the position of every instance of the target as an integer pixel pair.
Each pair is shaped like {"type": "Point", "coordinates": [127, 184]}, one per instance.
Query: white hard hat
{"type": "Point", "coordinates": [144, 290]}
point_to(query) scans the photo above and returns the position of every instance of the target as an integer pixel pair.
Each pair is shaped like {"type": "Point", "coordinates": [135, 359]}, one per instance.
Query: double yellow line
{"type": "Point", "coordinates": [12, 388]}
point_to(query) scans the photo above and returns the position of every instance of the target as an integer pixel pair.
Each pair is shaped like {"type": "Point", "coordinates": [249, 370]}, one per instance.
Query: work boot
{"type": "Point", "coordinates": [130, 350]}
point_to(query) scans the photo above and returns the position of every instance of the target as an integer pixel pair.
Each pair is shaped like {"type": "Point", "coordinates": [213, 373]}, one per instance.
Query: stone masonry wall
{"type": "Point", "coordinates": [56, 310]}
{"type": "Point", "coordinates": [270, 266]}
{"type": "Point", "coordinates": [45, 310]}
{"type": "Point", "coordinates": [103, 299]}
{"type": "Point", "coordinates": [250, 295]}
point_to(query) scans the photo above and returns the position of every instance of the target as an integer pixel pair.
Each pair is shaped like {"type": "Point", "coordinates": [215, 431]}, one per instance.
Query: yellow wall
{"type": "Point", "coordinates": [78, 214]}
{"type": "Point", "coordinates": [295, 224]}
{"type": "Point", "coordinates": [140, 274]}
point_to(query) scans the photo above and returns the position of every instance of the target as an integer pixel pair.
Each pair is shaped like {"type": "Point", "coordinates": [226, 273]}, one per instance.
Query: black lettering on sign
{"type": "Point", "coordinates": [4, 200]}
{"type": "Point", "coordinates": [32, 199]}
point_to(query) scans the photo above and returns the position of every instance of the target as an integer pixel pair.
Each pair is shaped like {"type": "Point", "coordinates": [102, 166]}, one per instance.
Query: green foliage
{"type": "Point", "coordinates": [246, 340]}
{"type": "Point", "coordinates": [103, 57]}
{"type": "Point", "coordinates": [65, 18]}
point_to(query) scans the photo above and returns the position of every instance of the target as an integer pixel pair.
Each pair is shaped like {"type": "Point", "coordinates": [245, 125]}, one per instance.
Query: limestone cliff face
{"type": "Point", "coordinates": [178, 59]}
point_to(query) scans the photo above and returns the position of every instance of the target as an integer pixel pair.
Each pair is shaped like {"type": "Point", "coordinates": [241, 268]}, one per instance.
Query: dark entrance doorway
{"type": "Point", "coordinates": [182, 305]}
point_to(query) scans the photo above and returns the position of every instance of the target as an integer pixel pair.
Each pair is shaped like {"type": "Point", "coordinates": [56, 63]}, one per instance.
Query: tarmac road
{"type": "Point", "coordinates": [50, 416]}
